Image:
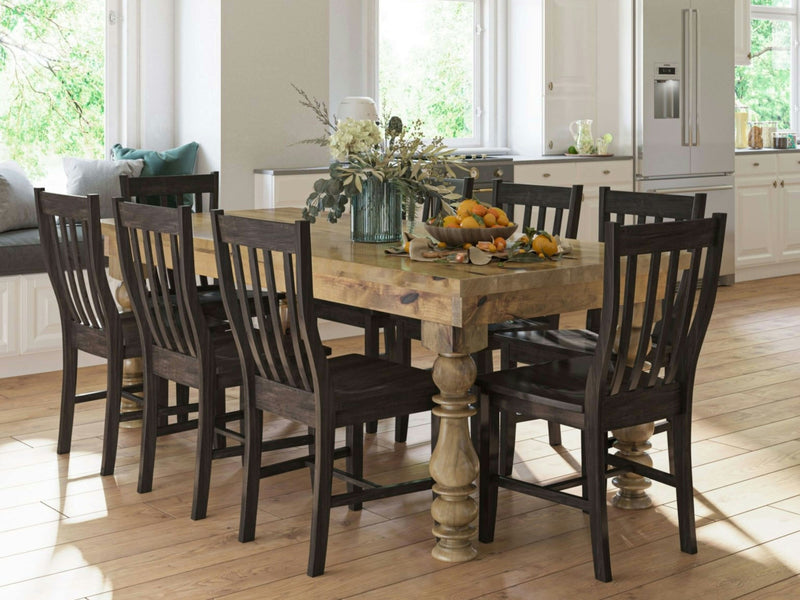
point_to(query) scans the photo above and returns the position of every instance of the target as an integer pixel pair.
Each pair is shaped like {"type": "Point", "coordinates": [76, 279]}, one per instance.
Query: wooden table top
{"type": "Point", "coordinates": [460, 296]}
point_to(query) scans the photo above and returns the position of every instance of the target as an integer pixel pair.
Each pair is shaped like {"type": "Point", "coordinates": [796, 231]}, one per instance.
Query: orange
{"type": "Point", "coordinates": [502, 220]}
{"type": "Point", "coordinates": [450, 221]}
{"type": "Point", "coordinates": [465, 207]}
{"type": "Point", "coordinates": [469, 223]}
{"type": "Point", "coordinates": [479, 209]}
{"type": "Point", "coordinates": [500, 243]}
{"type": "Point", "coordinates": [544, 244]}
{"type": "Point", "coordinates": [489, 220]}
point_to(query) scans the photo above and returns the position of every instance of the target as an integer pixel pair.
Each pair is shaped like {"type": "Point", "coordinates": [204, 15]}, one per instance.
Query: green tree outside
{"type": "Point", "coordinates": [426, 65]}
{"type": "Point", "coordinates": [51, 80]}
{"type": "Point", "coordinates": [764, 86]}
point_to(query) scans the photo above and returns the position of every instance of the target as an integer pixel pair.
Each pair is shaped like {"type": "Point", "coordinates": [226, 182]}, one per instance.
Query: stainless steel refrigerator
{"type": "Point", "coordinates": [684, 104]}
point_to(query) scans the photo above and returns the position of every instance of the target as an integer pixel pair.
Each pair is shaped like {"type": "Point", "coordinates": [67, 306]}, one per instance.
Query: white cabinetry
{"type": "Point", "coordinates": [591, 173]}
{"type": "Point", "coordinates": [741, 51]}
{"type": "Point", "coordinates": [767, 215]}
{"type": "Point", "coordinates": [570, 68]}
{"type": "Point", "coordinates": [30, 327]}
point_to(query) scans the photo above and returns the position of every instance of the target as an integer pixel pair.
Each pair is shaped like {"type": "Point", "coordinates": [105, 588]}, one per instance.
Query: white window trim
{"type": "Point", "coordinates": [491, 120]}
{"type": "Point", "coordinates": [122, 73]}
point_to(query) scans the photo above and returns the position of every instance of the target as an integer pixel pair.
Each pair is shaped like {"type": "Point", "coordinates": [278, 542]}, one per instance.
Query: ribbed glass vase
{"type": "Point", "coordinates": [376, 213]}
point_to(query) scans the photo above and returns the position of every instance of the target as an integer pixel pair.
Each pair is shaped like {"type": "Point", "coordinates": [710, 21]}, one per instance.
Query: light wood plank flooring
{"type": "Point", "coordinates": [66, 532]}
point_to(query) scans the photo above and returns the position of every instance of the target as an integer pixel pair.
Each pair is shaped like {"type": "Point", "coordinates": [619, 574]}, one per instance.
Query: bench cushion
{"type": "Point", "coordinates": [21, 253]}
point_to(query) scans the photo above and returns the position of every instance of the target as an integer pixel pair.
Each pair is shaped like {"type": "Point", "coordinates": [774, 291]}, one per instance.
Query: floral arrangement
{"type": "Point", "coordinates": [362, 150]}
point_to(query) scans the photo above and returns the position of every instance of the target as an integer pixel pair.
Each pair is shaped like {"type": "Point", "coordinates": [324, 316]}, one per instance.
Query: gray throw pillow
{"type": "Point", "coordinates": [17, 206]}
{"type": "Point", "coordinates": [89, 176]}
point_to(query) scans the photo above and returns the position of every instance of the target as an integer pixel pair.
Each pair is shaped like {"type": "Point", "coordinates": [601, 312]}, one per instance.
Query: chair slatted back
{"type": "Point", "coordinates": [69, 230]}
{"type": "Point", "coordinates": [202, 190]}
{"type": "Point", "coordinates": [623, 347]}
{"type": "Point", "coordinates": [267, 258]}
{"type": "Point", "coordinates": [462, 186]}
{"type": "Point", "coordinates": [646, 207]}
{"type": "Point", "coordinates": [156, 255]}
{"type": "Point", "coordinates": [549, 203]}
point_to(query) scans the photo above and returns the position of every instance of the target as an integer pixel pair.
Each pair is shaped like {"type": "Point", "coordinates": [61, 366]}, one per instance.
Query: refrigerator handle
{"type": "Point", "coordinates": [686, 130]}
{"type": "Point", "coordinates": [685, 190]}
{"type": "Point", "coordinates": [695, 74]}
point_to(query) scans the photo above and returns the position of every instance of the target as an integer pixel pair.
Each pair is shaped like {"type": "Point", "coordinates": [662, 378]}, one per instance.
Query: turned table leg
{"type": "Point", "coordinates": [454, 463]}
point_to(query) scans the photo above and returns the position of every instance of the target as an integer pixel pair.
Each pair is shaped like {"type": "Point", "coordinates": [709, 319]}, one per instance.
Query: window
{"type": "Point", "coordinates": [768, 85]}
{"type": "Point", "coordinates": [52, 104]}
{"type": "Point", "coordinates": [435, 58]}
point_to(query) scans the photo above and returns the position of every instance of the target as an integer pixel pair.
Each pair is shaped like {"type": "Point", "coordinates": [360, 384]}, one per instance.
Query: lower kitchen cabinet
{"type": "Point", "coordinates": [591, 173]}
{"type": "Point", "coordinates": [767, 215]}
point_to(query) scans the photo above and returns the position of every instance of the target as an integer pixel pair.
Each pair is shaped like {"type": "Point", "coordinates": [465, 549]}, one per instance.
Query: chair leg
{"type": "Point", "coordinates": [220, 439]}
{"type": "Point", "coordinates": [113, 405]}
{"type": "Point", "coordinates": [182, 399]}
{"type": "Point", "coordinates": [69, 379]}
{"type": "Point", "coordinates": [205, 443]}
{"type": "Point", "coordinates": [371, 349]}
{"type": "Point", "coordinates": [598, 517]}
{"type": "Point", "coordinates": [489, 469]}
{"type": "Point", "coordinates": [684, 490]}
{"type": "Point", "coordinates": [321, 515]}
{"type": "Point", "coordinates": [508, 438]}
{"type": "Point", "coordinates": [401, 429]}
{"type": "Point", "coordinates": [155, 389]}
{"type": "Point", "coordinates": [355, 460]}
{"type": "Point", "coordinates": [554, 431]}
{"type": "Point", "coordinates": [253, 432]}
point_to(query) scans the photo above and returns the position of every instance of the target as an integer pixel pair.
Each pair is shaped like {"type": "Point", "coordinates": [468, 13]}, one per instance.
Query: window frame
{"type": "Point", "coordinates": [489, 94]}
{"type": "Point", "coordinates": [790, 14]}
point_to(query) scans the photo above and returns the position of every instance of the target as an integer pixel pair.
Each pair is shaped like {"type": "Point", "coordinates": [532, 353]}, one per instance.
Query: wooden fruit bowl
{"type": "Point", "coordinates": [456, 236]}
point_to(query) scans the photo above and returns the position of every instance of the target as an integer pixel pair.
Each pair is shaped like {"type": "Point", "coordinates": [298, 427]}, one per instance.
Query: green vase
{"type": "Point", "coordinates": [376, 213]}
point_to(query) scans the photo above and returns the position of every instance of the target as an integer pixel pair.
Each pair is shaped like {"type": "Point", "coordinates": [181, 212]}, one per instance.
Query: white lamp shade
{"type": "Point", "coordinates": [358, 108]}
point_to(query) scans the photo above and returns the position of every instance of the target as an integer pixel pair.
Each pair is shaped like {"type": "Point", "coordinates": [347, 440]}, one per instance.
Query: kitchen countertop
{"type": "Point", "coordinates": [767, 150]}
{"type": "Point", "coordinates": [518, 160]}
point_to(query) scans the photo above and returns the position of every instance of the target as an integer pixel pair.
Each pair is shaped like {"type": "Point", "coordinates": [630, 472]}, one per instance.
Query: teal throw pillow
{"type": "Point", "coordinates": [178, 161]}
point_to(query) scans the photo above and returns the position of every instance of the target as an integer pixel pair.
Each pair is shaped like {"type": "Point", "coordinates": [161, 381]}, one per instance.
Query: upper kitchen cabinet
{"type": "Point", "coordinates": [742, 36]}
{"type": "Point", "coordinates": [570, 69]}
{"type": "Point", "coordinates": [588, 69]}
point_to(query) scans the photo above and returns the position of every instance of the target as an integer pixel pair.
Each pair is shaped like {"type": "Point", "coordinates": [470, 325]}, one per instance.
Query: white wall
{"type": "Point", "coordinates": [525, 65]}
{"type": "Point", "coordinates": [198, 80]}
{"type": "Point", "coordinates": [265, 47]}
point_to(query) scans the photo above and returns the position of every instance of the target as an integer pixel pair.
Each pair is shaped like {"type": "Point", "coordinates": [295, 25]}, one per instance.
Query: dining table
{"type": "Point", "coordinates": [455, 304]}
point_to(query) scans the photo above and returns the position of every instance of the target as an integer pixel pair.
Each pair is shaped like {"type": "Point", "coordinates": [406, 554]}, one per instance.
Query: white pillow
{"type": "Point", "coordinates": [89, 176]}
{"type": "Point", "coordinates": [17, 205]}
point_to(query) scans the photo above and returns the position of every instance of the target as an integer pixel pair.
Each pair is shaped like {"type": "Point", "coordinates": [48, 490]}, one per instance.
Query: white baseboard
{"type": "Point", "coordinates": [42, 362]}
{"type": "Point", "coordinates": [768, 271]}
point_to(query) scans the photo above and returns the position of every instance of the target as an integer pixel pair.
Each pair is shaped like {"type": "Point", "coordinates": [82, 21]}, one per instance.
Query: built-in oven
{"type": "Point", "coordinates": [484, 170]}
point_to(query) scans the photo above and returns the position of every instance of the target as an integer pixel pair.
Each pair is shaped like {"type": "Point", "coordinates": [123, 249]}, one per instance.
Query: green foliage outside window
{"type": "Point", "coordinates": [764, 86]}
{"type": "Point", "coordinates": [51, 80]}
{"type": "Point", "coordinates": [426, 63]}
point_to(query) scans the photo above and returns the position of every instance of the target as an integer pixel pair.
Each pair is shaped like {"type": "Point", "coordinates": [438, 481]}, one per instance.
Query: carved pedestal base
{"type": "Point", "coordinates": [454, 463]}
{"type": "Point", "coordinates": [633, 444]}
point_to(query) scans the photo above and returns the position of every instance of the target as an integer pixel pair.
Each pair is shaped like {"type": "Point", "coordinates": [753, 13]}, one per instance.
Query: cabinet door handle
{"type": "Point", "coordinates": [759, 164]}
{"type": "Point", "coordinates": [774, 184]}
{"type": "Point", "coordinates": [545, 174]}
{"type": "Point", "coordinates": [550, 86]}
{"type": "Point", "coordinates": [781, 182]}
{"type": "Point", "coordinates": [606, 172]}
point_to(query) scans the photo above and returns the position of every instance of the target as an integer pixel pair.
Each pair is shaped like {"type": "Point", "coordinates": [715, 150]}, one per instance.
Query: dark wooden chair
{"type": "Point", "coordinates": [201, 192]}
{"type": "Point", "coordinates": [286, 373]}
{"type": "Point", "coordinates": [179, 341]}
{"type": "Point", "coordinates": [462, 186]}
{"type": "Point", "coordinates": [531, 347]}
{"type": "Point", "coordinates": [622, 384]}
{"type": "Point", "coordinates": [69, 230]}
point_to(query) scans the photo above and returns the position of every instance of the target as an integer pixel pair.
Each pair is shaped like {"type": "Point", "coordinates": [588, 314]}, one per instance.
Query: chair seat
{"type": "Point", "coordinates": [552, 344]}
{"type": "Point", "coordinates": [372, 388]}
{"type": "Point", "coordinates": [560, 384]}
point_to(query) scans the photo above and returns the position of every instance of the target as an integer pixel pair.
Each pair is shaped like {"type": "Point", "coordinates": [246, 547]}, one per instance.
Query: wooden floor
{"type": "Point", "coordinates": [66, 532]}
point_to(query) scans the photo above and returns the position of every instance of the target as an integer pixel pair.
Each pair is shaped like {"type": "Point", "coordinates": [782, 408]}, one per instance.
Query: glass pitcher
{"type": "Point", "coordinates": [581, 131]}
